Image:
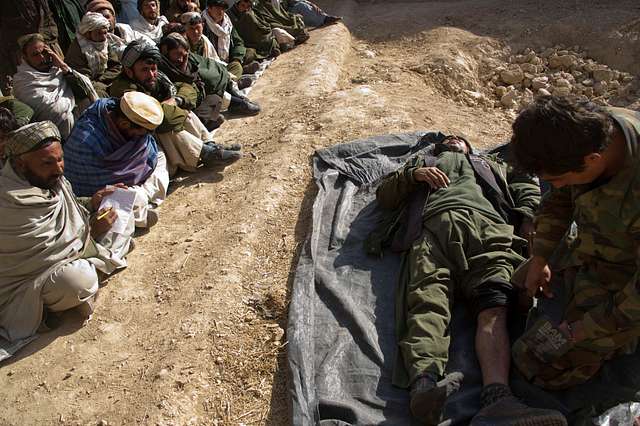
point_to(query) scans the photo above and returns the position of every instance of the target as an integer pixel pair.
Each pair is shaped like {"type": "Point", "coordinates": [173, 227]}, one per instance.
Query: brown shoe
{"type": "Point", "coordinates": [428, 397]}
{"type": "Point", "coordinates": [510, 412]}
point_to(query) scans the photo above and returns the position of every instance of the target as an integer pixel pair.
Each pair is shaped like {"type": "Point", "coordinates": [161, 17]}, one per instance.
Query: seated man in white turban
{"type": "Point", "coordinates": [49, 86]}
{"type": "Point", "coordinates": [94, 52]}
{"type": "Point", "coordinates": [112, 143]}
{"type": "Point", "coordinates": [149, 22]}
{"type": "Point", "coordinates": [124, 32]}
{"type": "Point", "coordinates": [51, 246]}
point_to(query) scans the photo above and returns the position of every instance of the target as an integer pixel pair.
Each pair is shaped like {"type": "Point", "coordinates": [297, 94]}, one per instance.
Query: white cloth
{"type": "Point", "coordinates": [41, 231]}
{"type": "Point", "coordinates": [282, 36]}
{"type": "Point", "coordinates": [49, 94]}
{"type": "Point", "coordinates": [96, 53]}
{"type": "Point", "coordinates": [122, 36]}
{"type": "Point", "coordinates": [92, 21]}
{"type": "Point", "coordinates": [154, 32]}
{"type": "Point", "coordinates": [183, 148]}
{"type": "Point", "coordinates": [222, 31]}
{"type": "Point", "coordinates": [152, 192]}
{"type": "Point", "coordinates": [209, 51]}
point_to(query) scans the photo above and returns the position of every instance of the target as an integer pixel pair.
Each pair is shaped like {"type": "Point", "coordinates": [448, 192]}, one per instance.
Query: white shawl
{"type": "Point", "coordinates": [48, 94]}
{"type": "Point", "coordinates": [223, 32]}
{"type": "Point", "coordinates": [41, 231]}
{"type": "Point", "coordinates": [154, 32]}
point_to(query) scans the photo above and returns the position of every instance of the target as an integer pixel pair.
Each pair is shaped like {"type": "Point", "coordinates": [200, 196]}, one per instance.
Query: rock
{"type": "Point", "coordinates": [500, 91]}
{"type": "Point", "coordinates": [588, 91]}
{"type": "Point", "coordinates": [600, 88]}
{"type": "Point", "coordinates": [587, 82]}
{"type": "Point", "coordinates": [614, 84]}
{"type": "Point", "coordinates": [103, 422]}
{"type": "Point", "coordinates": [547, 53]}
{"type": "Point", "coordinates": [563, 61]}
{"type": "Point", "coordinates": [603, 74]}
{"type": "Point", "coordinates": [627, 78]}
{"type": "Point", "coordinates": [529, 68]}
{"type": "Point", "coordinates": [509, 99]}
{"type": "Point", "coordinates": [539, 83]}
{"type": "Point", "coordinates": [527, 97]}
{"type": "Point", "coordinates": [512, 76]}
{"type": "Point", "coordinates": [530, 56]}
{"type": "Point", "coordinates": [561, 91]}
{"type": "Point", "coordinates": [562, 82]}
{"type": "Point", "coordinates": [369, 54]}
{"type": "Point", "coordinates": [589, 66]}
{"type": "Point", "coordinates": [562, 52]}
{"type": "Point", "coordinates": [543, 92]}
{"type": "Point", "coordinates": [577, 74]}
{"type": "Point", "coordinates": [518, 59]}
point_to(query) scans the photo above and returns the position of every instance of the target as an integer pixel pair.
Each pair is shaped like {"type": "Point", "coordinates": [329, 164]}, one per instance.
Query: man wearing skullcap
{"type": "Point", "coordinates": [20, 17]}
{"type": "Point", "coordinates": [112, 143]}
{"type": "Point", "coordinates": [184, 139]}
{"type": "Point", "coordinates": [149, 21]}
{"type": "Point", "coordinates": [254, 31]}
{"type": "Point", "coordinates": [94, 52]}
{"type": "Point", "coordinates": [227, 43]}
{"type": "Point", "coordinates": [209, 77]}
{"type": "Point", "coordinates": [52, 244]}
{"type": "Point", "coordinates": [49, 86]}
{"type": "Point", "coordinates": [121, 30]}
{"type": "Point", "coordinates": [179, 7]}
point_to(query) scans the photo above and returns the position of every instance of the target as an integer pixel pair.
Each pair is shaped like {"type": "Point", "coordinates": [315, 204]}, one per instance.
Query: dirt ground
{"type": "Point", "coordinates": [192, 332]}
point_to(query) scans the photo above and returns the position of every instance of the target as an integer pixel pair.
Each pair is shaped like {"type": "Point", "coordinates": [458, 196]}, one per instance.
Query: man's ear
{"type": "Point", "coordinates": [128, 72]}
{"type": "Point", "coordinates": [593, 158]}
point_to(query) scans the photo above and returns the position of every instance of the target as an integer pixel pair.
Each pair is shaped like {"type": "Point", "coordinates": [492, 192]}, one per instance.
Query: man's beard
{"type": "Point", "coordinates": [52, 183]}
{"type": "Point", "coordinates": [150, 85]}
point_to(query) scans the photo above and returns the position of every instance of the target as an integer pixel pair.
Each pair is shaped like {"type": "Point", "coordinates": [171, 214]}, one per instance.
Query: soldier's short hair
{"type": "Point", "coordinates": [554, 134]}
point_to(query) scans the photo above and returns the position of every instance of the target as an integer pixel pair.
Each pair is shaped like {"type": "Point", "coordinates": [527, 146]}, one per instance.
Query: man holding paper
{"type": "Point", "coordinates": [51, 246]}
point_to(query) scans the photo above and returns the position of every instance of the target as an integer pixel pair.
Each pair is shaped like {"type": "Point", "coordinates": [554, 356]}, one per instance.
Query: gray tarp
{"type": "Point", "coordinates": [341, 319]}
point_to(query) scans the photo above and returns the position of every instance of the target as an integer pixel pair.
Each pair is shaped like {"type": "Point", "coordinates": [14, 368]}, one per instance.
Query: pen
{"type": "Point", "coordinates": [103, 215]}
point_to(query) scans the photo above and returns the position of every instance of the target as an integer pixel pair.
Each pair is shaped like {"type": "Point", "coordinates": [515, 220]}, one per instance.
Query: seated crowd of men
{"type": "Point", "coordinates": [127, 106]}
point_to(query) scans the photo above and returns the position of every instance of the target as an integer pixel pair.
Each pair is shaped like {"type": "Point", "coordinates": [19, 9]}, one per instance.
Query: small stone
{"type": "Point", "coordinates": [509, 99]}
{"type": "Point", "coordinates": [588, 91]}
{"type": "Point", "coordinates": [563, 61]}
{"type": "Point", "coordinates": [627, 78]}
{"type": "Point", "coordinates": [587, 82]}
{"type": "Point", "coordinates": [529, 68]}
{"type": "Point", "coordinates": [614, 84]}
{"type": "Point", "coordinates": [103, 422]}
{"type": "Point", "coordinates": [562, 82]}
{"type": "Point", "coordinates": [501, 91]}
{"type": "Point", "coordinates": [219, 360]}
{"type": "Point", "coordinates": [539, 83]}
{"type": "Point", "coordinates": [369, 54]}
{"type": "Point", "coordinates": [512, 76]}
{"type": "Point", "coordinates": [561, 91]}
{"type": "Point", "coordinates": [600, 88]}
{"type": "Point", "coordinates": [603, 74]}
{"type": "Point", "coordinates": [543, 92]}
{"type": "Point", "coordinates": [547, 52]}
{"type": "Point", "coordinates": [162, 373]}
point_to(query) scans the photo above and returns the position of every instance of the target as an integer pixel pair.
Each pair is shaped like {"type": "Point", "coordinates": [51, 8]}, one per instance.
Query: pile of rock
{"type": "Point", "coordinates": [556, 71]}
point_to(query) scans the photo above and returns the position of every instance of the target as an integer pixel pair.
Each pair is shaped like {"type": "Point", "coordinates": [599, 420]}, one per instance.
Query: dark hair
{"type": "Point", "coordinates": [142, 2]}
{"type": "Point", "coordinates": [173, 27]}
{"type": "Point", "coordinates": [169, 43]}
{"type": "Point", "coordinates": [195, 19]}
{"type": "Point", "coordinates": [554, 134]}
{"type": "Point", "coordinates": [8, 122]}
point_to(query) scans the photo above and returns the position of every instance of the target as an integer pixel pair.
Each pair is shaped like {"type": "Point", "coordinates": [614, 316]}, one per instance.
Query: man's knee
{"type": "Point", "coordinates": [70, 286]}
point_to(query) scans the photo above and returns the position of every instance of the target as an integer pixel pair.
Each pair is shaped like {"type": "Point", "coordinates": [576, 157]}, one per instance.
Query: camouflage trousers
{"type": "Point", "coordinates": [462, 255]}
{"type": "Point", "coordinates": [563, 364]}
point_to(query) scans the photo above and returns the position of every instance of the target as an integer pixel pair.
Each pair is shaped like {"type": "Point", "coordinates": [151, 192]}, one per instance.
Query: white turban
{"type": "Point", "coordinates": [93, 21]}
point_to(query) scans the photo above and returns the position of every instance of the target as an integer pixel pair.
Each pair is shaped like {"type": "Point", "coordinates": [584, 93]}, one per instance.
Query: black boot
{"type": "Point", "coordinates": [428, 396]}
{"type": "Point", "coordinates": [501, 408]}
{"type": "Point", "coordinates": [211, 125]}
{"type": "Point", "coordinates": [214, 155]}
{"type": "Point", "coordinates": [243, 107]}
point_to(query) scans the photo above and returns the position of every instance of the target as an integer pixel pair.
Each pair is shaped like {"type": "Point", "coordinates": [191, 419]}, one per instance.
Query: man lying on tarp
{"type": "Point", "coordinates": [457, 210]}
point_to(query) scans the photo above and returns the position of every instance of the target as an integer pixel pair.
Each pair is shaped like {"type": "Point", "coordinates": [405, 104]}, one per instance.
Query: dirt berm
{"type": "Point", "coordinates": [192, 332]}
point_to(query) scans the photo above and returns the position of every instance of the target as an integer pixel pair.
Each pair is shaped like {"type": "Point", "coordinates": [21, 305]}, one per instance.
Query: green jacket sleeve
{"type": "Point", "coordinates": [188, 94]}
{"type": "Point", "coordinates": [238, 50]}
{"type": "Point", "coordinates": [20, 110]}
{"type": "Point", "coordinates": [396, 186]}
{"type": "Point", "coordinates": [525, 190]}
{"type": "Point", "coordinates": [78, 87]}
{"type": "Point", "coordinates": [552, 221]}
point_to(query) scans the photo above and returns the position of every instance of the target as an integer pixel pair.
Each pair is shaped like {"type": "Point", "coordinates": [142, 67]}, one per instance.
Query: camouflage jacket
{"type": "Point", "coordinates": [608, 235]}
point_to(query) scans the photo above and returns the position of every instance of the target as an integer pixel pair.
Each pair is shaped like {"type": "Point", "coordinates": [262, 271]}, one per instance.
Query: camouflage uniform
{"type": "Point", "coordinates": [598, 269]}
{"type": "Point", "coordinates": [467, 248]}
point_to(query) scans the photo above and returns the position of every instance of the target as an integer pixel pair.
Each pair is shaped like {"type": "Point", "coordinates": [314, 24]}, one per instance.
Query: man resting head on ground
{"type": "Point", "coordinates": [50, 246]}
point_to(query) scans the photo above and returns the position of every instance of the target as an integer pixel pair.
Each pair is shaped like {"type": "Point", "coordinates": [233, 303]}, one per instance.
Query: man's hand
{"type": "Point", "coordinates": [192, 7]}
{"type": "Point", "coordinates": [575, 331]}
{"type": "Point", "coordinates": [57, 60]}
{"type": "Point", "coordinates": [170, 101]}
{"type": "Point", "coordinates": [538, 277]}
{"type": "Point", "coordinates": [96, 200]}
{"type": "Point", "coordinates": [433, 176]}
{"type": "Point", "coordinates": [101, 223]}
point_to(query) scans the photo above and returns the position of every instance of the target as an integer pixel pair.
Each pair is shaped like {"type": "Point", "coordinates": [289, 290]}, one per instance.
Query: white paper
{"type": "Point", "coordinates": [121, 200]}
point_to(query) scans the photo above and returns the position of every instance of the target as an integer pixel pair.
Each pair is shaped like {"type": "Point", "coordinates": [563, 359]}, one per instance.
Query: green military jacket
{"type": "Point", "coordinates": [20, 110]}
{"type": "Point", "coordinates": [255, 33]}
{"type": "Point", "coordinates": [607, 243]}
{"type": "Point", "coordinates": [511, 198]}
{"type": "Point", "coordinates": [174, 115]}
{"type": "Point", "coordinates": [277, 17]}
